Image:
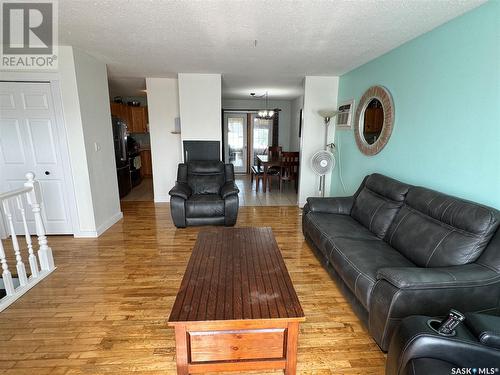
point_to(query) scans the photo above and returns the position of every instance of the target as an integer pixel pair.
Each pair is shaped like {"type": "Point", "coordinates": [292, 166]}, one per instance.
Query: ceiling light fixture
{"type": "Point", "coordinates": [265, 114]}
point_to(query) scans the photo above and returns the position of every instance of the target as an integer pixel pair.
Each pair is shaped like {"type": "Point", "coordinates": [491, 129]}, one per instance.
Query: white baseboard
{"type": "Point", "coordinates": [162, 198]}
{"type": "Point", "coordinates": [85, 234]}
{"type": "Point", "coordinates": [102, 228]}
{"type": "Point", "coordinates": [109, 223]}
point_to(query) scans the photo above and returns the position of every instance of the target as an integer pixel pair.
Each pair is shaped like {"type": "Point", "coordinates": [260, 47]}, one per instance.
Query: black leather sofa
{"type": "Point", "coordinates": [399, 250]}
{"type": "Point", "coordinates": [416, 349]}
{"type": "Point", "coordinates": [204, 194]}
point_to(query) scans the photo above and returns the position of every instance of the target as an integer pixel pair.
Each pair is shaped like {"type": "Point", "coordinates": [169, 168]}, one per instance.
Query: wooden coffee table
{"type": "Point", "coordinates": [236, 309]}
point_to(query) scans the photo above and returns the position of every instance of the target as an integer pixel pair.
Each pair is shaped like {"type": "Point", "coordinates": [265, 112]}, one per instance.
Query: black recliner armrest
{"type": "Point", "coordinates": [485, 327]}
{"type": "Point", "coordinates": [229, 188]}
{"type": "Point", "coordinates": [331, 205]}
{"type": "Point", "coordinates": [415, 340]}
{"type": "Point", "coordinates": [444, 277]}
{"type": "Point", "coordinates": [181, 190]}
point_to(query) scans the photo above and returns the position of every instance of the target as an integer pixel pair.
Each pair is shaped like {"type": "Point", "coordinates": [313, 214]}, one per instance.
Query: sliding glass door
{"type": "Point", "coordinates": [240, 135]}
{"type": "Point", "coordinates": [235, 127]}
{"type": "Point", "coordinates": [262, 136]}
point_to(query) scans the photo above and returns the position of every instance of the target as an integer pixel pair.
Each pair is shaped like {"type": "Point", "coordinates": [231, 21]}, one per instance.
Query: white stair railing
{"type": "Point", "coordinates": [10, 201]}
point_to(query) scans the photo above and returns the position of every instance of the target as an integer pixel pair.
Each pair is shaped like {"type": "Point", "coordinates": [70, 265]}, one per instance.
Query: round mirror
{"type": "Point", "coordinates": [374, 120]}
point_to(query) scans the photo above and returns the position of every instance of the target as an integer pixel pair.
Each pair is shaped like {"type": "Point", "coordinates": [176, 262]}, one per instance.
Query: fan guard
{"type": "Point", "coordinates": [322, 162]}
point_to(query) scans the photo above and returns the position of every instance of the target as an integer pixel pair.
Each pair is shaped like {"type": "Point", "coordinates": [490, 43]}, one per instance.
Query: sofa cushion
{"type": "Point", "coordinates": [324, 226]}
{"type": "Point", "coordinates": [206, 177]}
{"type": "Point", "coordinates": [205, 205]}
{"type": "Point", "coordinates": [357, 261]}
{"type": "Point", "coordinates": [378, 202]}
{"type": "Point", "coordinates": [436, 230]}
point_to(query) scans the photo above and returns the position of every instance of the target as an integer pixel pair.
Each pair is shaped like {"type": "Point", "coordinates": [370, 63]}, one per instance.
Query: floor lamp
{"type": "Point", "coordinates": [327, 115]}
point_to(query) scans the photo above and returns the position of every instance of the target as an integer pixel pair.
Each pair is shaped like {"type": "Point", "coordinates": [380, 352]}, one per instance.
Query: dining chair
{"type": "Point", "coordinates": [257, 173]}
{"type": "Point", "coordinates": [274, 152]}
{"type": "Point", "coordinates": [289, 168]}
{"type": "Point", "coordinates": [274, 173]}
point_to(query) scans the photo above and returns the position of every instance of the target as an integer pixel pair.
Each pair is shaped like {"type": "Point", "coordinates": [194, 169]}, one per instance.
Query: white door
{"type": "Point", "coordinates": [236, 140]}
{"type": "Point", "coordinates": [30, 142]}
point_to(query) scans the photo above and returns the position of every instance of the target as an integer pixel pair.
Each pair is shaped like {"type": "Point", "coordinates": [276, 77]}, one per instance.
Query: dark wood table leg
{"type": "Point", "coordinates": [291, 348]}
{"type": "Point", "coordinates": [181, 350]}
{"type": "Point", "coordinates": [264, 178]}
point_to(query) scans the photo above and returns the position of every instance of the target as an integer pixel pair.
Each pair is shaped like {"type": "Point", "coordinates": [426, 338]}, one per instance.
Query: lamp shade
{"type": "Point", "coordinates": [328, 113]}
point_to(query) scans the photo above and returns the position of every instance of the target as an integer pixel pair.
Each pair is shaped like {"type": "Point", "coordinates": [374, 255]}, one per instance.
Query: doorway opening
{"type": "Point", "coordinates": [132, 147]}
{"type": "Point", "coordinates": [247, 138]}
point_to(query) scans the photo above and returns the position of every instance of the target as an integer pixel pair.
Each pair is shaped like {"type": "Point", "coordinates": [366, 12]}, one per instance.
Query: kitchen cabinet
{"type": "Point", "coordinates": [136, 118]}
{"type": "Point", "coordinates": [122, 112]}
{"type": "Point", "coordinates": [146, 165]}
{"type": "Point", "coordinates": [139, 119]}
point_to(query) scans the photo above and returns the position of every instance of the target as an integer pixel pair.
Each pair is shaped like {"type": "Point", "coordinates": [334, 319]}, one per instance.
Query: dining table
{"type": "Point", "coordinates": [267, 161]}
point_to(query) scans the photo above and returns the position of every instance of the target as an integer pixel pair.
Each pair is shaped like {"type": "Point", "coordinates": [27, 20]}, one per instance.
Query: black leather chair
{"type": "Point", "coordinates": [204, 194]}
{"type": "Point", "coordinates": [416, 349]}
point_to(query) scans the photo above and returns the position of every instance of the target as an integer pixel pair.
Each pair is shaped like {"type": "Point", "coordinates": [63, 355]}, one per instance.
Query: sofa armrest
{"type": "Point", "coordinates": [229, 188]}
{"type": "Point", "coordinates": [444, 277]}
{"type": "Point", "coordinates": [403, 291]}
{"type": "Point", "coordinates": [331, 205]}
{"type": "Point", "coordinates": [181, 190]}
{"type": "Point", "coordinates": [413, 339]}
{"type": "Point", "coordinates": [231, 205]}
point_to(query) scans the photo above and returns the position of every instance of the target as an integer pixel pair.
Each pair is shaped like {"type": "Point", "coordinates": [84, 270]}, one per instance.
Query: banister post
{"type": "Point", "coordinates": [21, 269]}
{"type": "Point", "coordinates": [31, 256]}
{"type": "Point", "coordinates": [35, 199]}
{"type": "Point", "coordinates": [6, 275]}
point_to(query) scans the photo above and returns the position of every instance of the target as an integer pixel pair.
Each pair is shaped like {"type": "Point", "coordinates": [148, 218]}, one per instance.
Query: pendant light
{"type": "Point", "coordinates": [266, 114]}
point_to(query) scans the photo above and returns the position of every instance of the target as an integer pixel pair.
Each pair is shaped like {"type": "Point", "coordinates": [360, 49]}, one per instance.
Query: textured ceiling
{"type": "Point", "coordinates": [126, 86]}
{"type": "Point", "coordinates": [154, 38]}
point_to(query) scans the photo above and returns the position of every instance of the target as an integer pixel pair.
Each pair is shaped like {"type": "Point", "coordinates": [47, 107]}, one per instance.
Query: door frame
{"type": "Point", "coordinates": [53, 79]}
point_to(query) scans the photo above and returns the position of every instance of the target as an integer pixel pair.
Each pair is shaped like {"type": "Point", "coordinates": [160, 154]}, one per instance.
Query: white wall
{"type": "Point", "coordinates": [284, 135]}
{"type": "Point", "coordinates": [319, 93]}
{"type": "Point", "coordinates": [92, 83]}
{"type": "Point", "coordinates": [166, 151]}
{"type": "Point", "coordinates": [296, 106]}
{"type": "Point", "coordinates": [82, 81]}
{"type": "Point", "coordinates": [200, 106]}
{"type": "Point", "coordinates": [76, 143]}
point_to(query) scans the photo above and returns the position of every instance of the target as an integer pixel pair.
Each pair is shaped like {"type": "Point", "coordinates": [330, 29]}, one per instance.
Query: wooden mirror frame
{"type": "Point", "coordinates": [384, 96]}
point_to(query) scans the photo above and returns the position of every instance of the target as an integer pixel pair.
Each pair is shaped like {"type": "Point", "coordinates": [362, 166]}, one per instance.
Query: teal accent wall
{"type": "Point", "coordinates": [446, 90]}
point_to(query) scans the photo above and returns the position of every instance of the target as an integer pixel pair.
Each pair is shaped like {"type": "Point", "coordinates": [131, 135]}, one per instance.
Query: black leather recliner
{"type": "Point", "coordinates": [416, 349]}
{"type": "Point", "coordinates": [204, 194]}
{"type": "Point", "coordinates": [399, 250]}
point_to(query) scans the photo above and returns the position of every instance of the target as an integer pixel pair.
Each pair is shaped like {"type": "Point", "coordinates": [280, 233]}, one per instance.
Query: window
{"type": "Point", "coordinates": [262, 136]}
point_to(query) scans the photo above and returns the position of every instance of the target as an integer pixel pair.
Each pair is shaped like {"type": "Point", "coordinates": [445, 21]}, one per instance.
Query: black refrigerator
{"type": "Point", "coordinates": [121, 156]}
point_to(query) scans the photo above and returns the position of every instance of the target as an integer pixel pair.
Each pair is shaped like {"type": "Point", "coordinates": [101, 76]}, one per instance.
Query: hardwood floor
{"type": "Point", "coordinates": [105, 309]}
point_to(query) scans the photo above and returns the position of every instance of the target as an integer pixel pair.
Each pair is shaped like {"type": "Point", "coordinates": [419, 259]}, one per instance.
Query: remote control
{"type": "Point", "coordinates": [449, 324]}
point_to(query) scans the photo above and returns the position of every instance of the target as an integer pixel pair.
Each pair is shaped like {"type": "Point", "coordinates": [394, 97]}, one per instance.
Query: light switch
{"type": "Point", "coordinates": [97, 147]}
